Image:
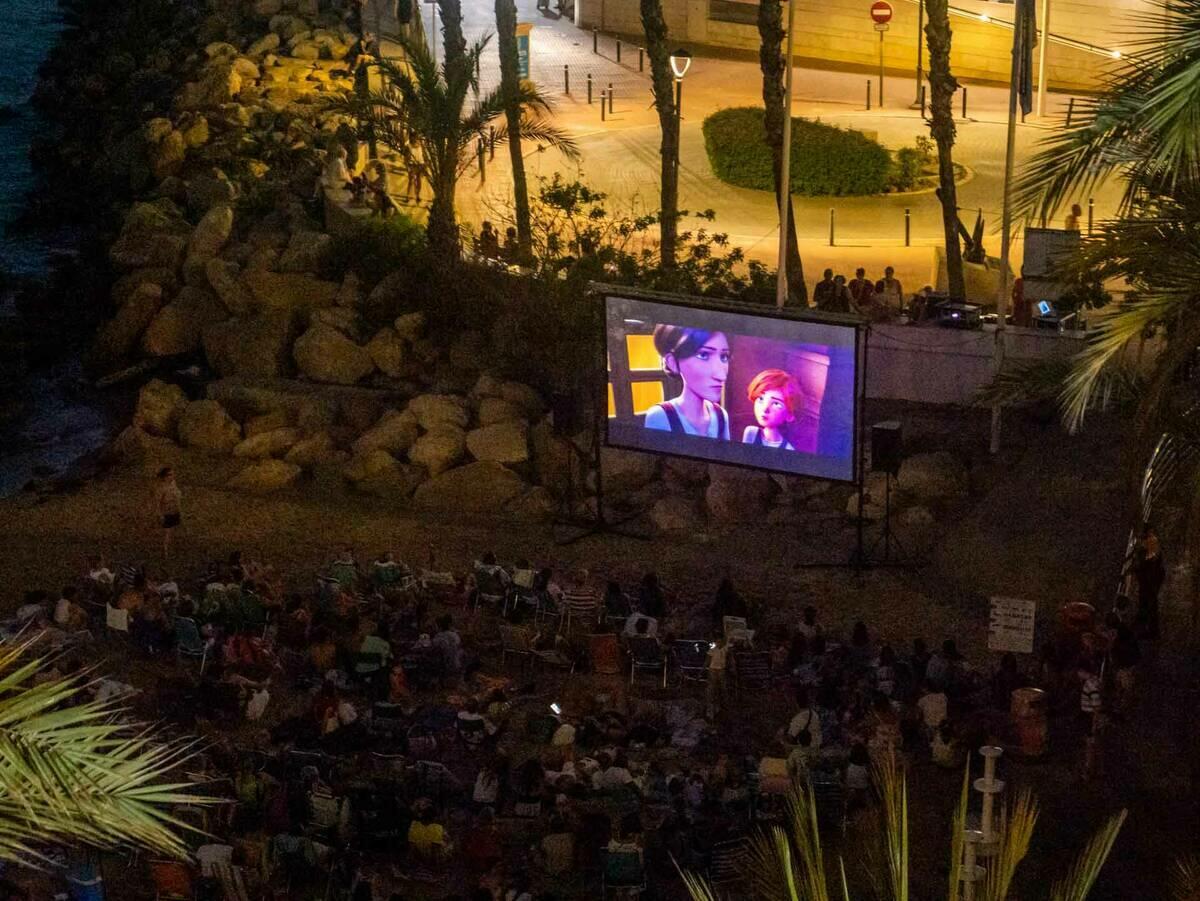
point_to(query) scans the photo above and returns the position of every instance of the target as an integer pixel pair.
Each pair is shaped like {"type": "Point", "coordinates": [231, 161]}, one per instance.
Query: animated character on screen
{"type": "Point", "coordinates": [701, 359]}
{"type": "Point", "coordinates": [777, 403]}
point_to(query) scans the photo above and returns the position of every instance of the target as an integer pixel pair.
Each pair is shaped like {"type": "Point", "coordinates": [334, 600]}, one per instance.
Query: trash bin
{"type": "Point", "coordinates": [1028, 712]}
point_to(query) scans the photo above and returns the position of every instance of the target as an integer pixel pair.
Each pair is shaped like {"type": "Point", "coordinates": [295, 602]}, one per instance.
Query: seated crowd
{"type": "Point", "coordinates": [376, 733]}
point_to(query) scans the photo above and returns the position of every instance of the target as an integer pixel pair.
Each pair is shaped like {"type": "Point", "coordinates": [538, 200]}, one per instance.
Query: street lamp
{"type": "Point", "coordinates": [681, 61]}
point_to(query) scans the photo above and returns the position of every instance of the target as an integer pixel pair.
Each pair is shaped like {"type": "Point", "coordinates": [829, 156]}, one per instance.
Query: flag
{"type": "Point", "coordinates": [1025, 38]}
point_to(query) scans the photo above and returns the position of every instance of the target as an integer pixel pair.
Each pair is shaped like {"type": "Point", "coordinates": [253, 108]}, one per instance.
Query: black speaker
{"type": "Point", "coordinates": [404, 11]}
{"type": "Point", "coordinates": [564, 415]}
{"type": "Point", "coordinates": [886, 440]}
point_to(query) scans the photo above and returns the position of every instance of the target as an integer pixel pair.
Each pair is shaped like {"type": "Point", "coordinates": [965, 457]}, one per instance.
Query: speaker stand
{"type": "Point", "coordinates": [888, 537]}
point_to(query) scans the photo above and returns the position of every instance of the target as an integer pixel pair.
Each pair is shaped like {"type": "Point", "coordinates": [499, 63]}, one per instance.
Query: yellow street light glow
{"type": "Point", "coordinates": [1116, 54]}
{"type": "Point", "coordinates": [985, 18]}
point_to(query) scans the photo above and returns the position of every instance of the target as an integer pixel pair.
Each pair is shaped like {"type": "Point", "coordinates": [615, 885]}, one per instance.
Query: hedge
{"type": "Point", "coordinates": [825, 159]}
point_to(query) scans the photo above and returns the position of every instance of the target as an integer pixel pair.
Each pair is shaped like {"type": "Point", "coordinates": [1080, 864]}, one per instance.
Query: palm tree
{"type": "Point", "coordinates": [510, 83]}
{"type": "Point", "coordinates": [419, 100]}
{"type": "Point", "coordinates": [76, 773]}
{"type": "Point", "coordinates": [662, 85]}
{"type": "Point", "coordinates": [790, 865]}
{"type": "Point", "coordinates": [770, 60]}
{"type": "Point", "coordinates": [941, 126]}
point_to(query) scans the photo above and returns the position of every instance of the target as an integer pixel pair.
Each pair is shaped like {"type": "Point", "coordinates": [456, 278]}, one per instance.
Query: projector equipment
{"type": "Point", "coordinates": [959, 315]}
{"type": "Point", "coordinates": [1053, 320]}
{"type": "Point", "coordinates": [886, 438]}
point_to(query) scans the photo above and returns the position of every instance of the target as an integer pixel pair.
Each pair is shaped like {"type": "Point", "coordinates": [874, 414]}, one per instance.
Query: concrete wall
{"type": "Point", "coordinates": [948, 366]}
{"type": "Point", "coordinates": [840, 32]}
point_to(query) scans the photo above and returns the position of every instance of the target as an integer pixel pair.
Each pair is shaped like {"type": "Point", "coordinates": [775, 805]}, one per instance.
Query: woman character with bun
{"type": "Point", "coordinates": [701, 359]}
{"type": "Point", "coordinates": [777, 402]}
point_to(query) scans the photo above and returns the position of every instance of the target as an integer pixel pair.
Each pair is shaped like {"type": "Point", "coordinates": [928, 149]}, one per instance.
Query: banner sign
{"type": "Point", "coordinates": [1011, 625]}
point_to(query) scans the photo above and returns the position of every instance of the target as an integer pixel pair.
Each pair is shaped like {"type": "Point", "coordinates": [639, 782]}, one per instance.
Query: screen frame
{"type": "Point", "coordinates": [724, 305]}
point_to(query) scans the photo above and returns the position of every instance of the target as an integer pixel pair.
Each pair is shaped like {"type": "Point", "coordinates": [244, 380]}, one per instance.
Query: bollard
{"type": "Point", "coordinates": [610, 97]}
{"type": "Point", "coordinates": [922, 101]}
{"type": "Point", "coordinates": [589, 82]}
{"type": "Point", "coordinates": [601, 106]}
{"type": "Point", "coordinates": [964, 103]}
{"type": "Point", "coordinates": [907, 227]}
{"type": "Point", "coordinates": [1070, 110]}
{"type": "Point", "coordinates": [566, 79]}
{"type": "Point", "coordinates": [492, 143]}
{"type": "Point", "coordinates": [595, 40]}
{"type": "Point", "coordinates": [480, 150]}
{"type": "Point", "coordinates": [868, 95]}
{"type": "Point", "coordinates": [618, 49]}
{"type": "Point", "coordinates": [1091, 213]}
{"type": "Point", "coordinates": [641, 60]}
{"type": "Point", "coordinates": [831, 214]}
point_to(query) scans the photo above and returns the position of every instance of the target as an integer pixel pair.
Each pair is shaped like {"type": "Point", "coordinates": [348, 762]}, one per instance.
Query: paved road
{"type": "Point", "coordinates": [620, 155]}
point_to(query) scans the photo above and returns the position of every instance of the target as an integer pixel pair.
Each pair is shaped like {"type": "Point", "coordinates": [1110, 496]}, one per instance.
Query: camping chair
{"type": "Point", "coordinates": [116, 619]}
{"type": "Point", "coordinates": [605, 653]}
{"type": "Point", "coordinates": [728, 862]}
{"type": "Point", "coordinates": [173, 880]}
{"type": "Point", "coordinates": [736, 629]}
{"type": "Point", "coordinates": [691, 658]}
{"type": "Point", "coordinates": [387, 720]}
{"type": "Point", "coordinates": [646, 654]}
{"type": "Point", "coordinates": [189, 642]}
{"type": "Point", "coordinates": [752, 669]}
{"type": "Point", "coordinates": [490, 588]}
{"type": "Point", "coordinates": [829, 798]}
{"type": "Point", "coordinates": [582, 606]}
{"type": "Point", "coordinates": [624, 872]}
{"type": "Point", "coordinates": [516, 640]}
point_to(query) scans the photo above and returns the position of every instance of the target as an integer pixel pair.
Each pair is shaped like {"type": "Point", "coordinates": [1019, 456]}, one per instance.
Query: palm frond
{"type": "Point", "coordinates": [806, 833]}
{"type": "Point", "coordinates": [1083, 873]}
{"type": "Point", "coordinates": [958, 829]}
{"type": "Point", "coordinates": [1020, 819]}
{"type": "Point", "coordinates": [894, 789]}
{"type": "Point", "coordinates": [78, 773]}
{"type": "Point", "coordinates": [1185, 881]}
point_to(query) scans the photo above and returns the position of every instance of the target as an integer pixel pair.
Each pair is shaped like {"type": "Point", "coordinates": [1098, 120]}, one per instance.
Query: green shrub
{"type": "Point", "coordinates": [825, 159]}
{"type": "Point", "coordinates": [909, 167]}
{"type": "Point", "coordinates": [374, 248]}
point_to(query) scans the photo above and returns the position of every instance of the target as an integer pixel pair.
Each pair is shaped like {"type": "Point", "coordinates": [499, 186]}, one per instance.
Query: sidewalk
{"type": "Point", "coordinates": [620, 154]}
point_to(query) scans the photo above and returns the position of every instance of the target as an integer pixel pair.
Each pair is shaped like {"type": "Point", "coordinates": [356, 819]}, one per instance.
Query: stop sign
{"type": "Point", "coordinates": [881, 12]}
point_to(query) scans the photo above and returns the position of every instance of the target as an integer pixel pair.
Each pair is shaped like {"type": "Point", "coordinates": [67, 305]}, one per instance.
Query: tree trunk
{"type": "Point", "coordinates": [453, 41]}
{"type": "Point", "coordinates": [506, 36]}
{"type": "Point", "coordinates": [662, 84]}
{"type": "Point", "coordinates": [441, 230]}
{"type": "Point", "coordinates": [942, 86]}
{"type": "Point", "coordinates": [773, 65]}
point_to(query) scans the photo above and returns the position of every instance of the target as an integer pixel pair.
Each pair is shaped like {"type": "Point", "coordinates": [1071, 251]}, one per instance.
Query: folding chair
{"type": "Point", "coordinates": [116, 620]}
{"type": "Point", "coordinates": [728, 862]}
{"type": "Point", "coordinates": [172, 880]}
{"type": "Point", "coordinates": [752, 669]}
{"type": "Point", "coordinates": [516, 640]}
{"type": "Point", "coordinates": [605, 653]}
{"type": "Point", "coordinates": [691, 658]}
{"type": "Point", "coordinates": [734, 627]}
{"type": "Point", "coordinates": [189, 642]}
{"type": "Point", "coordinates": [490, 588]}
{"type": "Point", "coordinates": [646, 654]}
{"type": "Point", "coordinates": [624, 873]}
{"type": "Point", "coordinates": [582, 606]}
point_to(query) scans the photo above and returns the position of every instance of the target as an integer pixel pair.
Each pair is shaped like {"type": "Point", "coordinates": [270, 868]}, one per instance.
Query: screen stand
{"type": "Point", "coordinates": [868, 560]}
{"type": "Point", "coordinates": [597, 523]}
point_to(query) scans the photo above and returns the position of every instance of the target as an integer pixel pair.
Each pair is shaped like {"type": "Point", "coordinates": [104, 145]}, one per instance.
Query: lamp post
{"type": "Point", "coordinates": [785, 167]}
{"type": "Point", "coordinates": [681, 61]}
{"type": "Point", "coordinates": [920, 51]}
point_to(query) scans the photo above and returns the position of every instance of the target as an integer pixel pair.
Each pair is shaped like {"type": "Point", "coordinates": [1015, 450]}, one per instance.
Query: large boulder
{"type": "Point", "coordinates": [223, 277]}
{"type": "Point", "coordinates": [326, 355]}
{"type": "Point", "coordinates": [265, 476]}
{"type": "Point", "coordinates": [256, 346]}
{"type": "Point", "coordinates": [167, 155]}
{"type": "Point", "coordinates": [265, 9]}
{"type": "Point", "coordinates": [493, 410]}
{"type": "Point", "coordinates": [275, 443]}
{"type": "Point", "coordinates": [938, 476]}
{"type": "Point", "coordinates": [289, 290]}
{"type": "Point", "coordinates": [124, 287]}
{"type": "Point", "coordinates": [153, 235]}
{"type": "Point", "coordinates": [205, 424]}
{"type": "Point", "coordinates": [266, 422]}
{"type": "Point", "coordinates": [346, 321]}
{"type": "Point", "coordinates": [626, 470]}
{"type": "Point", "coordinates": [504, 442]}
{"type": "Point", "coordinates": [524, 397]}
{"type": "Point", "coordinates": [267, 42]}
{"type": "Point", "coordinates": [388, 351]}
{"type": "Point", "coordinates": [207, 189]}
{"type": "Point", "coordinates": [395, 432]}
{"type": "Point", "coordinates": [158, 407]}
{"type": "Point", "coordinates": [304, 251]}
{"type": "Point", "coordinates": [177, 328]}
{"type": "Point", "coordinates": [219, 83]}
{"type": "Point", "coordinates": [410, 326]}
{"type": "Point", "coordinates": [370, 465]}
{"type": "Point", "coordinates": [439, 450]}
{"type": "Point", "coordinates": [118, 337]}
{"type": "Point", "coordinates": [134, 445]}
{"type": "Point", "coordinates": [211, 232]}
{"type": "Point", "coordinates": [735, 494]}
{"type": "Point", "coordinates": [315, 450]}
{"type": "Point", "coordinates": [395, 481]}
{"type": "Point", "coordinates": [482, 487]}
{"type": "Point", "coordinates": [433, 410]}
{"type": "Point", "coordinates": [675, 513]}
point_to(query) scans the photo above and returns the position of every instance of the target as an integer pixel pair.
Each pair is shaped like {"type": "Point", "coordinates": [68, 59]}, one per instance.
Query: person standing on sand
{"type": "Point", "coordinates": [167, 499]}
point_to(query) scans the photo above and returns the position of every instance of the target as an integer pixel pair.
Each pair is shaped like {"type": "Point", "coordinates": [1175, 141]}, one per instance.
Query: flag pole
{"type": "Point", "coordinates": [785, 167]}
{"type": "Point", "coordinates": [1006, 216]}
{"type": "Point", "coordinates": [1042, 50]}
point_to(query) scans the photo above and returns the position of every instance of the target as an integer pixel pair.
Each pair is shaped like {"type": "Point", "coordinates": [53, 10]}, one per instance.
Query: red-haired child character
{"type": "Point", "coordinates": [777, 402]}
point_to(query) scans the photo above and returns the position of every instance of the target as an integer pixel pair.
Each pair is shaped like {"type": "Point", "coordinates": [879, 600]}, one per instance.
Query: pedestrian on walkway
{"type": "Point", "coordinates": [889, 289]}
{"type": "Point", "coordinates": [862, 289]}
{"type": "Point", "coordinates": [1072, 223]}
{"type": "Point", "coordinates": [1150, 572]}
{"type": "Point", "coordinates": [167, 502]}
{"type": "Point", "coordinates": [412, 172]}
{"type": "Point", "coordinates": [825, 291]}
{"type": "Point", "coordinates": [842, 301]}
